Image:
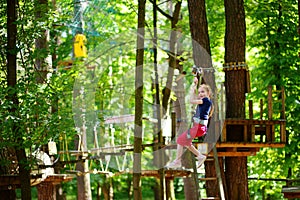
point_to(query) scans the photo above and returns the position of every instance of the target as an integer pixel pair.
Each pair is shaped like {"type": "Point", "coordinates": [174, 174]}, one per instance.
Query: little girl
{"type": "Point", "coordinates": [200, 121]}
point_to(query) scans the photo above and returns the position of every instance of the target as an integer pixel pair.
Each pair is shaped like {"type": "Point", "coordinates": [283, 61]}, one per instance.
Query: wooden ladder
{"type": "Point", "coordinates": [218, 177]}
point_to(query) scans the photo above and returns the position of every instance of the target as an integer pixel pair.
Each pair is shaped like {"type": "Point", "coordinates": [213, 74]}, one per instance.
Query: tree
{"type": "Point", "coordinates": [275, 63]}
{"type": "Point", "coordinates": [202, 58]}
{"type": "Point", "coordinates": [11, 81]}
{"type": "Point", "coordinates": [138, 125]}
{"type": "Point", "coordinates": [24, 171]}
{"type": "Point", "coordinates": [235, 84]}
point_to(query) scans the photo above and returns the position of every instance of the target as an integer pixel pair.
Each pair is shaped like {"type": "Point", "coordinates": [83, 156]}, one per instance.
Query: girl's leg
{"type": "Point", "coordinates": [179, 152]}
{"type": "Point", "coordinates": [201, 158]}
{"type": "Point", "coordinates": [193, 149]}
{"type": "Point", "coordinates": [177, 162]}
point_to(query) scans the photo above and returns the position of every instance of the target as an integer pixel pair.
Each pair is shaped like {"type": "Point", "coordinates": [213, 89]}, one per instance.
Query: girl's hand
{"type": "Point", "coordinates": [195, 80]}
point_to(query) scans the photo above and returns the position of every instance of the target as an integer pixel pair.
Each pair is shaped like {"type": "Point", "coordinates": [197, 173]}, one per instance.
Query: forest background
{"type": "Point", "coordinates": [272, 55]}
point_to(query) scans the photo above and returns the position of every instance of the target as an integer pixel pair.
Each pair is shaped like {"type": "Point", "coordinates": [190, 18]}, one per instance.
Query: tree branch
{"type": "Point", "coordinates": [162, 12]}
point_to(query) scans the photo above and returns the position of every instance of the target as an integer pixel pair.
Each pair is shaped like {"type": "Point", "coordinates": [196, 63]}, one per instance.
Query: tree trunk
{"type": "Point", "coordinates": [235, 84]}
{"type": "Point", "coordinates": [202, 58]}
{"type": "Point", "coordinates": [41, 9]}
{"type": "Point", "coordinates": [24, 172]}
{"type": "Point", "coordinates": [138, 125]}
{"type": "Point", "coordinates": [46, 191]}
{"type": "Point", "coordinates": [9, 154]}
{"type": "Point", "coordinates": [107, 189]}
{"type": "Point", "coordinates": [172, 58]}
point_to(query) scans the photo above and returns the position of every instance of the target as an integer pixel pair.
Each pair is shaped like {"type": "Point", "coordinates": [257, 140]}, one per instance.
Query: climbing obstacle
{"type": "Point", "coordinates": [256, 133]}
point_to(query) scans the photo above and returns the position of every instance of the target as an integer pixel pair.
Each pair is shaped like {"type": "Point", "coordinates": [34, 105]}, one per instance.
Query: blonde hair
{"type": "Point", "coordinates": [207, 88]}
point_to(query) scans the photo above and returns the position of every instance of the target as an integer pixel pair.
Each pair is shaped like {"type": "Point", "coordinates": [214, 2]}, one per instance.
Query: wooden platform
{"type": "Point", "coordinates": [8, 182]}
{"type": "Point", "coordinates": [253, 127]}
{"type": "Point", "coordinates": [291, 192]}
{"type": "Point", "coordinates": [58, 178]}
{"type": "Point", "coordinates": [169, 173]}
{"type": "Point", "coordinates": [233, 149]}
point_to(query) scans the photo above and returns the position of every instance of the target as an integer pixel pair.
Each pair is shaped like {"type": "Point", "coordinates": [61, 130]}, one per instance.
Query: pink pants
{"type": "Point", "coordinates": [197, 130]}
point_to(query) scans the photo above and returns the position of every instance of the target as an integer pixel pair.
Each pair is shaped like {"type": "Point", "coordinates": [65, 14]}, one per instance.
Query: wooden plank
{"type": "Point", "coordinates": [268, 133]}
{"type": "Point", "coordinates": [273, 133]}
{"type": "Point", "coordinates": [245, 133]}
{"type": "Point", "coordinates": [282, 132]}
{"type": "Point", "coordinates": [250, 109]}
{"type": "Point", "coordinates": [234, 154]}
{"type": "Point", "coordinates": [252, 131]}
{"type": "Point", "coordinates": [58, 178]}
{"type": "Point", "coordinates": [261, 105]}
{"type": "Point", "coordinates": [169, 173]}
{"type": "Point", "coordinates": [283, 103]}
{"type": "Point", "coordinates": [270, 103]}
{"type": "Point", "coordinates": [233, 121]}
{"type": "Point", "coordinates": [291, 192]}
{"type": "Point", "coordinates": [218, 173]}
{"type": "Point", "coordinates": [245, 145]}
{"type": "Point", "coordinates": [208, 179]}
{"type": "Point", "coordinates": [224, 132]}
{"type": "Point", "coordinates": [6, 180]}
{"type": "Point", "coordinates": [249, 145]}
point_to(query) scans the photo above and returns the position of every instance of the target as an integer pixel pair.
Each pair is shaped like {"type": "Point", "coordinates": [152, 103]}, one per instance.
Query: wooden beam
{"type": "Point", "coordinates": [249, 145]}
{"type": "Point", "coordinates": [250, 109]}
{"type": "Point", "coordinates": [291, 192]}
{"type": "Point", "coordinates": [282, 132]}
{"type": "Point", "coordinates": [234, 154]}
{"type": "Point", "coordinates": [245, 133]}
{"type": "Point", "coordinates": [58, 178]}
{"type": "Point", "coordinates": [169, 173]}
{"type": "Point", "coordinates": [283, 103]}
{"type": "Point", "coordinates": [224, 132]}
{"type": "Point", "coordinates": [13, 181]}
{"type": "Point", "coordinates": [270, 103]}
{"type": "Point", "coordinates": [234, 121]}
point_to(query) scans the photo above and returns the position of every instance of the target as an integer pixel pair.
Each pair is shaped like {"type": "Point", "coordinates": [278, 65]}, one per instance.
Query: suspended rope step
{"type": "Point", "coordinates": [80, 173]}
{"type": "Point", "coordinates": [169, 173]}
{"type": "Point", "coordinates": [218, 177]}
{"type": "Point", "coordinates": [207, 179]}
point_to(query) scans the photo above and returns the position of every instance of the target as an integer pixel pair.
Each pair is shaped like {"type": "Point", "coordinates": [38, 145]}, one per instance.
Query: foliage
{"type": "Point", "coordinates": [273, 45]}
{"type": "Point", "coordinates": [46, 111]}
{"type": "Point", "coordinates": [35, 122]}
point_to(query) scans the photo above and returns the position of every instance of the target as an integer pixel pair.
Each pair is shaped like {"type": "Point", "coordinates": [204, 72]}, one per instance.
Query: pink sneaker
{"type": "Point", "coordinates": [201, 158]}
{"type": "Point", "coordinates": [174, 164]}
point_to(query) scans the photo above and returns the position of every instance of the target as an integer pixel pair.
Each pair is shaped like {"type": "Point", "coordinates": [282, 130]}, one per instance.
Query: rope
{"type": "Point", "coordinates": [235, 66]}
{"type": "Point", "coordinates": [197, 72]}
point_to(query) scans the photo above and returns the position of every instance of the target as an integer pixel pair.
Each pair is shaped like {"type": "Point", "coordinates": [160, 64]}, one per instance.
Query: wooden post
{"type": "Point", "coordinates": [173, 130]}
{"type": "Point", "coordinates": [269, 128]}
{"type": "Point", "coordinates": [282, 103]}
{"type": "Point", "coordinates": [252, 129]}
{"type": "Point", "coordinates": [282, 132]}
{"type": "Point", "coordinates": [251, 126]}
{"type": "Point", "coordinates": [250, 109]}
{"type": "Point", "coordinates": [224, 132]}
{"type": "Point", "coordinates": [270, 103]}
{"type": "Point", "coordinates": [268, 133]}
{"type": "Point", "coordinates": [261, 103]}
{"type": "Point", "coordinates": [222, 103]}
{"type": "Point", "coordinates": [245, 132]}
